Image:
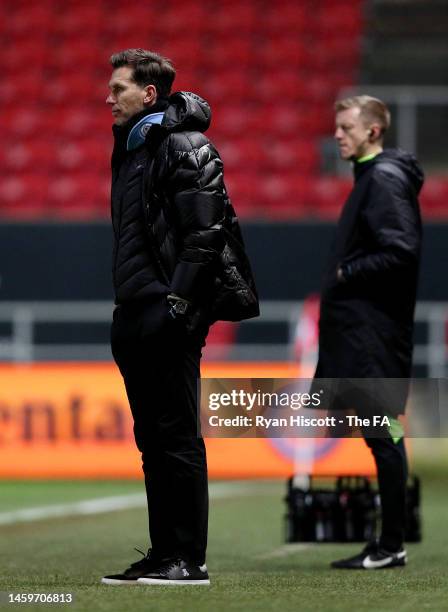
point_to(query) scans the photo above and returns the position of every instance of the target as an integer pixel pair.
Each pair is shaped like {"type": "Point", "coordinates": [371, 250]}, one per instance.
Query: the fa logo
{"type": "Point", "coordinates": [184, 572]}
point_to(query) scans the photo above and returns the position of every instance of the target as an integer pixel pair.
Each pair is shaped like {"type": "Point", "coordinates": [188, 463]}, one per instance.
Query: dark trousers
{"type": "Point", "coordinates": [160, 367]}
{"type": "Point", "coordinates": [392, 470]}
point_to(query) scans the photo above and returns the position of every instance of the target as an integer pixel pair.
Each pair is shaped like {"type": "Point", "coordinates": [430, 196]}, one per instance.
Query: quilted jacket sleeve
{"type": "Point", "coordinates": [393, 221]}
{"type": "Point", "coordinates": [195, 190]}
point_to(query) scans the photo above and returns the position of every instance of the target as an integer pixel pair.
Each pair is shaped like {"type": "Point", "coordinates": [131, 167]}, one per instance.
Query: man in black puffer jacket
{"type": "Point", "coordinates": [367, 306]}
{"type": "Point", "coordinates": [174, 273]}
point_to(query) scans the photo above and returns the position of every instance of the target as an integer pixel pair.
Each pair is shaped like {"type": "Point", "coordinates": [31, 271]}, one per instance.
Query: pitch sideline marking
{"type": "Point", "coordinates": [284, 551]}
{"type": "Point", "coordinates": [109, 504]}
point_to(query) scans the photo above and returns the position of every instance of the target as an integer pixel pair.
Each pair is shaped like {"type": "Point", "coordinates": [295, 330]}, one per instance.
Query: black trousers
{"type": "Point", "coordinates": [392, 471]}
{"type": "Point", "coordinates": [380, 397]}
{"type": "Point", "coordinates": [160, 367]}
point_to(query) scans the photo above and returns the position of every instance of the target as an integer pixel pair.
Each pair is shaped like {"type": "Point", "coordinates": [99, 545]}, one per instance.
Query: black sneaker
{"type": "Point", "coordinates": [135, 571]}
{"type": "Point", "coordinates": [373, 557]}
{"type": "Point", "coordinates": [177, 572]}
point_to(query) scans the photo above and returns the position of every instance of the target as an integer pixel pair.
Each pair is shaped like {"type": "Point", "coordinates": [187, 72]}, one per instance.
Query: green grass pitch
{"type": "Point", "coordinates": [250, 566]}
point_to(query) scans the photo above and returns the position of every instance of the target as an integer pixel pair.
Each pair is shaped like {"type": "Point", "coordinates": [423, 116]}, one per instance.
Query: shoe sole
{"type": "Point", "coordinates": [173, 582]}
{"type": "Point", "coordinates": [114, 582]}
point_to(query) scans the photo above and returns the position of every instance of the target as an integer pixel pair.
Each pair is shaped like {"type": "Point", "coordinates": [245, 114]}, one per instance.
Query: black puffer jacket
{"type": "Point", "coordinates": [366, 322]}
{"type": "Point", "coordinates": [175, 241]}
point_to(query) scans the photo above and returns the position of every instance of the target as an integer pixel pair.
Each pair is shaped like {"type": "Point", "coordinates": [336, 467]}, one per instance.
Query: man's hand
{"type": "Point", "coordinates": [179, 307]}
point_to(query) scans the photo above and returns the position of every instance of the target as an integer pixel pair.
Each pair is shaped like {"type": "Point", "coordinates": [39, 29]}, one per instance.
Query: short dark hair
{"type": "Point", "coordinates": [149, 68]}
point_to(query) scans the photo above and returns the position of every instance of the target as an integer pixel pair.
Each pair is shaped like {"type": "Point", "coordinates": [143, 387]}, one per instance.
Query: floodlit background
{"type": "Point", "coordinates": [271, 72]}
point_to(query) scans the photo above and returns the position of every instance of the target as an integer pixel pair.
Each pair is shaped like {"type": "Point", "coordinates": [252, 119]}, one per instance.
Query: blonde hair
{"type": "Point", "coordinates": [372, 110]}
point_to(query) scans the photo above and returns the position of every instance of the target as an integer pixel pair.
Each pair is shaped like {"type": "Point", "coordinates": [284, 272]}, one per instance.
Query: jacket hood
{"type": "Point", "coordinates": [406, 162]}
{"type": "Point", "coordinates": [187, 111]}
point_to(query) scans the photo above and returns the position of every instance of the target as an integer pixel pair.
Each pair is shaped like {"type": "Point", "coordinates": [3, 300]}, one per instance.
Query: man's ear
{"type": "Point", "coordinates": [150, 95]}
{"type": "Point", "coordinates": [374, 132]}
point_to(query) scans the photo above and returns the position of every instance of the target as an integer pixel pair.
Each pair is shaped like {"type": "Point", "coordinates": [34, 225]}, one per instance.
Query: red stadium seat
{"type": "Point", "coordinates": [285, 83]}
{"type": "Point", "coordinates": [283, 52]}
{"type": "Point", "coordinates": [237, 51]}
{"type": "Point", "coordinates": [230, 121]}
{"type": "Point", "coordinates": [74, 122]}
{"type": "Point", "coordinates": [285, 195]}
{"type": "Point", "coordinates": [16, 56]}
{"type": "Point", "coordinates": [87, 19]}
{"type": "Point", "coordinates": [286, 119]}
{"type": "Point", "coordinates": [244, 153]}
{"type": "Point", "coordinates": [285, 17]}
{"type": "Point", "coordinates": [344, 16]}
{"type": "Point", "coordinates": [25, 23]}
{"type": "Point", "coordinates": [75, 88]}
{"type": "Point", "coordinates": [28, 156]}
{"type": "Point", "coordinates": [328, 194]}
{"type": "Point", "coordinates": [88, 155]}
{"type": "Point", "coordinates": [18, 89]}
{"type": "Point", "coordinates": [176, 19]}
{"type": "Point", "coordinates": [244, 190]}
{"type": "Point", "coordinates": [269, 70]}
{"type": "Point", "coordinates": [227, 83]}
{"type": "Point", "coordinates": [81, 194]}
{"type": "Point", "coordinates": [297, 155]}
{"type": "Point", "coordinates": [24, 197]}
{"type": "Point", "coordinates": [337, 53]}
{"type": "Point", "coordinates": [72, 55]}
{"type": "Point", "coordinates": [228, 16]}
{"type": "Point", "coordinates": [128, 20]}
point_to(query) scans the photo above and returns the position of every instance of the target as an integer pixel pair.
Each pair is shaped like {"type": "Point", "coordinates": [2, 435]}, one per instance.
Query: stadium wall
{"type": "Point", "coordinates": [57, 261]}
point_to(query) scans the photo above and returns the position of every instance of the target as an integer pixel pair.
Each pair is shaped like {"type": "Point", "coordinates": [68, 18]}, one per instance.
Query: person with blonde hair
{"type": "Point", "coordinates": [367, 305]}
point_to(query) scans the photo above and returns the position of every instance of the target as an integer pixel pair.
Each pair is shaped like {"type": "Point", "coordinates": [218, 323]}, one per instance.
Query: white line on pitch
{"type": "Point", "coordinates": [90, 506]}
{"type": "Point", "coordinates": [284, 551]}
{"type": "Point", "coordinates": [218, 490]}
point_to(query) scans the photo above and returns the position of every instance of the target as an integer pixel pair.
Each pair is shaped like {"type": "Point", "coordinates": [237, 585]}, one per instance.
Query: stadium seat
{"type": "Point", "coordinates": [280, 51]}
{"type": "Point", "coordinates": [89, 154]}
{"type": "Point", "coordinates": [225, 84]}
{"type": "Point", "coordinates": [176, 19]}
{"type": "Point", "coordinates": [27, 156]}
{"type": "Point", "coordinates": [328, 194]}
{"type": "Point", "coordinates": [344, 16]}
{"type": "Point", "coordinates": [294, 154]}
{"type": "Point", "coordinates": [285, 18]}
{"type": "Point", "coordinates": [21, 122]}
{"type": "Point", "coordinates": [284, 195]}
{"type": "Point", "coordinates": [279, 119]}
{"type": "Point", "coordinates": [73, 122]}
{"type": "Point", "coordinates": [25, 23]}
{"type": "Point", "coordinates": [283, 83]}
{"type": "Point", "coordinates": [87, 18]}
{"type": "Point", "coordinates": [230, 121]}
{"type": "Point", "coordinates": [17, 55]}
{"type": "Point", "coordinates": [240, 18]}
{"type": "Point", "coordinates": [24, 197]}
{"type": "Point", "coordinates": [269, 70]}
{"type": "Point", "coordinates": [128, 20]}
{"type": "Point", "coordinates": [247, 153]}
{"type": "Point", "coordinates": [237, 51]}
{"type": "Point", "coordinates": [82, 194]}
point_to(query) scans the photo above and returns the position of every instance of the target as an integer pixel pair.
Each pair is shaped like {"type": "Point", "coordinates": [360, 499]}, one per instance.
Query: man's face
{"type": "Point", "coordinates": [352, 134]}
{"type": "Point", "coordinates": [126, 98]}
